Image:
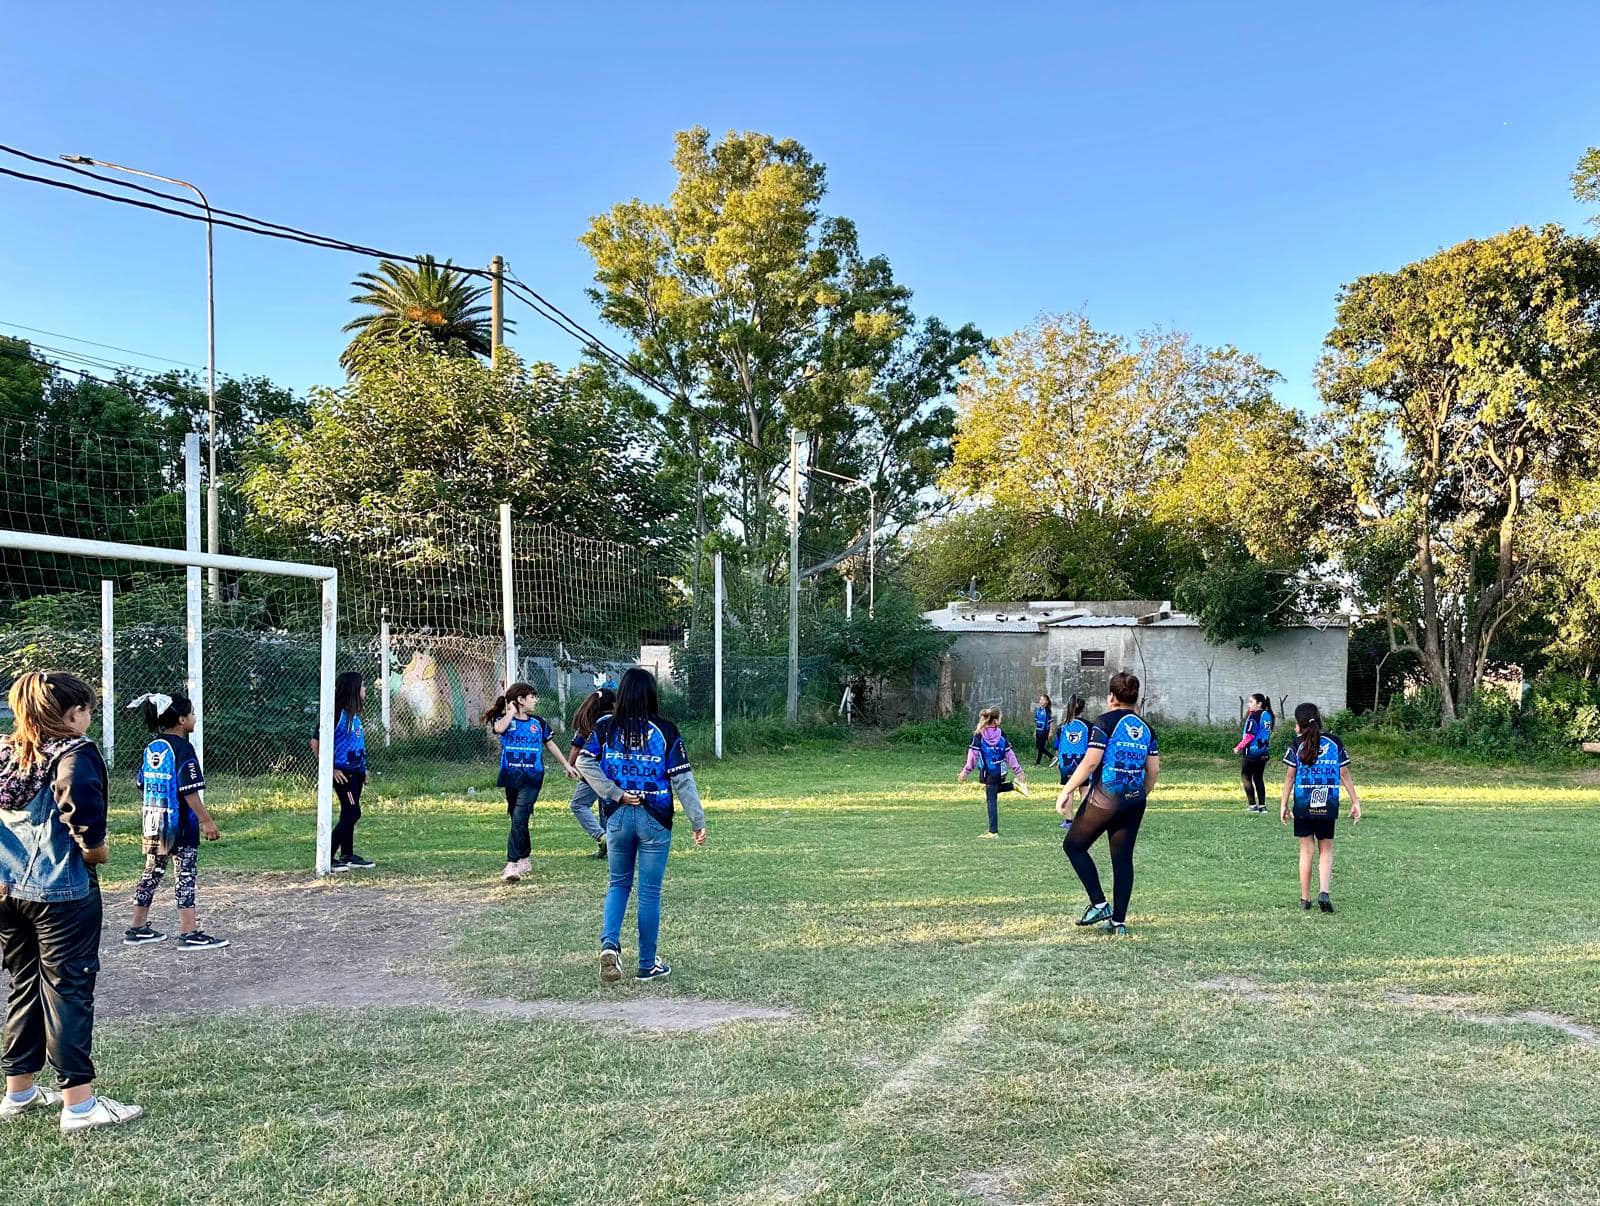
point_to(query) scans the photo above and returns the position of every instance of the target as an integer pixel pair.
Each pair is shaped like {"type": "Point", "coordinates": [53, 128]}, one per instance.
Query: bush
{"type": "Point", "coordinates": [943, 733]}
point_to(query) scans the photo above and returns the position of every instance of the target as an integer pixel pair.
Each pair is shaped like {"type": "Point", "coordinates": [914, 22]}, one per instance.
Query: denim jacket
{"type": "Point", "coordinates": [42, 839]}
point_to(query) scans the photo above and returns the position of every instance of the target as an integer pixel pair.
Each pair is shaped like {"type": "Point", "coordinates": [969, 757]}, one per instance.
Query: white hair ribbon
{"type": "Point", "coordinates": [162, 702]}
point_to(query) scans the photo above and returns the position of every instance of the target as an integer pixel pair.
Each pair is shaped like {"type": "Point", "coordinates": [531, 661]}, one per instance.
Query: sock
{"type": "Point", "coordinates": [83, 1107]}
{"type": "Point", "coordinates": [25, 1096]}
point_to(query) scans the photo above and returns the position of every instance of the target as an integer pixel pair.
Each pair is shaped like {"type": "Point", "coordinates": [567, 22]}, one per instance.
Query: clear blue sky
{"type": "Point", "coordinates": [1221, 168]}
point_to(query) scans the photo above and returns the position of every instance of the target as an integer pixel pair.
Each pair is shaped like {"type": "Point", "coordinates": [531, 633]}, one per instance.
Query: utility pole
{"type": "Point", "coordinates": [794, 575]}
{"type": "Point", "coordinates": [497, 308]}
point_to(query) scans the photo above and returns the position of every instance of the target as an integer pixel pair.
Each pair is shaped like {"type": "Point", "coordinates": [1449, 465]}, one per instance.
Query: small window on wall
{"type": "Point", "coordinates": [1091, 659]}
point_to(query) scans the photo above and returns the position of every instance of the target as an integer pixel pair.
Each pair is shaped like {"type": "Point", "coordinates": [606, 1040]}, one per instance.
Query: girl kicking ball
{"type": "Point", "coordinates": [991, 753]}
{"type": "Point", "coordinates": [1318, 768]}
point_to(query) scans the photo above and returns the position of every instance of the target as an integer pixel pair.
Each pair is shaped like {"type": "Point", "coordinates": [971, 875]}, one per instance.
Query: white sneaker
{"type": "Point", "coordinates": [105, 1113]}
{"type": "Point", "coordinates": [512, 873]}
{"type": "Point", "coordinates": [525, 865]}
{"type": "Point", "coordinates": [41, 1098]}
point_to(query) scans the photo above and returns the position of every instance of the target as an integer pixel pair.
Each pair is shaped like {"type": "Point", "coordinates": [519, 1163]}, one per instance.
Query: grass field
{"type": "Point", "coordinates": [952, 1037]}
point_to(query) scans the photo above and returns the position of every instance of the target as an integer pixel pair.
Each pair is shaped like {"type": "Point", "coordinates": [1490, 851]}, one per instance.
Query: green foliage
{"type": "Point", "coordinates": [1586, 180]}
{"type": "Point", "coordinates": [945, 733]}
{"type": "Point", "coordinates": [427, 306]}
{"type": "Point", "coordinates": [893, 643]}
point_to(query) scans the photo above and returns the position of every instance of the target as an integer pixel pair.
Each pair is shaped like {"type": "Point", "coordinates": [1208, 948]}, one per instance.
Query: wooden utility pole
{"type": "Point", "coordinates": [497, 308]}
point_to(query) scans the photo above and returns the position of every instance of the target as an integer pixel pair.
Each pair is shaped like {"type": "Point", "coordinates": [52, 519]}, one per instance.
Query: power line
{"type": "Point", "coordinates": [111, 347]}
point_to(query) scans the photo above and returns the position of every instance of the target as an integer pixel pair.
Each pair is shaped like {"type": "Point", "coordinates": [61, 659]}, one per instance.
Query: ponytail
{"type": "Point", "coordinates": [599, 702]}
{"type": "Point", "coordinates": [513, 693]}
{"type": "Point", "coordinates": [160, 711]}
{"type": "Point", "coordinates": [1075, 707]}
{"type": "Point", "coordinates": [987, 717]}
{"type": "Point", "coordinates": [1309, 720]}
{"type": "Point", "coordinates": [40, 703]}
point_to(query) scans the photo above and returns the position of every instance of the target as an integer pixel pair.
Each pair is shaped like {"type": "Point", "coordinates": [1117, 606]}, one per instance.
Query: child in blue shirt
{"type": "Point", "coordinates": [349, 768]}
{"type": "Point", "coordinates": [1042, 714]}
{"type": "Point", "coordinates": [1254, 748]}
{"type": "Point", "coordinates": [175, 819]}
{"type": "Point", "coordinates": [990, 753]}
{"type": "Point", "coordinates": [1318, 768]}
{"type": "Point", "coordinates": [1072, 743]}
{"type": "Point", "coordinates": [523, 739]}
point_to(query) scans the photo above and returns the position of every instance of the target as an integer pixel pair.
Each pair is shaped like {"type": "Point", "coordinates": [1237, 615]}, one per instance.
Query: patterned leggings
{"type": "Point", "coordinates": [144, 893]}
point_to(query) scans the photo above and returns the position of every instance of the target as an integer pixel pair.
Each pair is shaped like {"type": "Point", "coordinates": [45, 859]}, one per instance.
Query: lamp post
{"type": "Point", "coordinates": [213, 525]}
{"type": "Point", "coordinates": [872, 530]}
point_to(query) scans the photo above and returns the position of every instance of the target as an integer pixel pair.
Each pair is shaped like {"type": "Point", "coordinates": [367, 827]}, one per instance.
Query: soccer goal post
{"type": "Point", "coordinates": [40, 542]}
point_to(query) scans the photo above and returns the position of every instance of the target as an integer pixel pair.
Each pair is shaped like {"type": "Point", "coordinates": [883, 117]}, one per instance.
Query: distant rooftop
{"type": "Point", "coordinates": [1035, 616]}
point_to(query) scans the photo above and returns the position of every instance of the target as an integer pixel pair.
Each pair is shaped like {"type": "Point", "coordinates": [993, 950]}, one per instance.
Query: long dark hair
{"type": "Point", "coordinates": [599, 702]}
{"type": "Point", "coordinates": [1049, 708]}
{"type": "Point", "coordinates": [513, 693]}
{"type": "Point", "coordinates": [638, 700]}
{"type": "Point", "coordinates": [1075, 707]}
{"type": "Point", "coordinates": [155, 721]}
{"type": "Point", "coordinates": [347, 694]}
{"type": "Point", "coordinates": [1266, 704]}
{"type": "Point", "coordinates": [1309, 719]}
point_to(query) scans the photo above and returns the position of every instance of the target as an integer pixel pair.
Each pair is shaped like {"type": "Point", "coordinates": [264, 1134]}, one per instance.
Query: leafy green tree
{"type": "Point", "coordinates": [893, 643]}
{"type": "Point", "coordinates": [429, 304]}
{"type": "Point", "coordinates": [1464, 384]}
{"type": "Point", "coordinates": [1586, 180]}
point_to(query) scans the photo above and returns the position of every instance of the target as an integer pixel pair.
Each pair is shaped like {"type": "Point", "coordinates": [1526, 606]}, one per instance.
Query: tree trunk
{"type": "Point", "coordinates": [1433, 655]}
{"type": "Point", "coordinates": [945, 704]}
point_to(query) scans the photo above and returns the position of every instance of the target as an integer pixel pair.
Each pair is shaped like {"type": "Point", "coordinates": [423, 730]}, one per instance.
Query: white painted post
{"type": "Point", "coordinates": [329, 668]}
{"type": "Point", "coordinates": [193, 635]}
{"type": "Point", "coordinates": [849, 596]}
{"type": "Point", "coordinates": [108, 676]}
{"type": "Point", "coordinates": [716, 655]}
{"type": "Point", "coordinates": [561, 683]}
{"type": "Point", "coordinates": [508, 610]}
{"type": "Point", "coordinates": [383, 674]}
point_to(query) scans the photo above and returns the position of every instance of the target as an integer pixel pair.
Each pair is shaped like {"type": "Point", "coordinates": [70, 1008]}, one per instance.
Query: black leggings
{"type": "Point", "coordinates": [1253, 771]}
{"type": "Point", "coordinates": [1039, 739]}
{"type": "Point", "coordinates": [1121, 827]}
{"type": "Point", "coordinates": [344, 832]}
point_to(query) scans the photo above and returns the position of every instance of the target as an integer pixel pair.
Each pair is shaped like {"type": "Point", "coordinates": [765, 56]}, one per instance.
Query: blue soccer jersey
{"type": "Point", "coordinates": [522, 751]}
{"type": "Point", "coordinates": [1258, 728]}
{"type": "Point", "coordinates": [1316, 784]}
{"type": "Point", "coordinates": [1072, 743]}
{"type": "Point", "coordinates": [168, 771]}
{"type": "Point", "coordinates": [1041, 720]}
{"type": "Point", "coordinates": [643, 762]}
{"type": "Point", "coordinates": [1127, 741]}
{"type": "Point", "coordinates": [349, 743]}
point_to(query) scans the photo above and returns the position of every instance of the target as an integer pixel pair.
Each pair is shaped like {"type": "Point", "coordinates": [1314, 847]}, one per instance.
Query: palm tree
{"type": "Point", "coordinates": [427, 302]}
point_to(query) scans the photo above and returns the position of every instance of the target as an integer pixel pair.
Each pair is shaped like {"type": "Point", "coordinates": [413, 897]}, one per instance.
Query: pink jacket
{"type": "Point", "coordinates": [991, 737]}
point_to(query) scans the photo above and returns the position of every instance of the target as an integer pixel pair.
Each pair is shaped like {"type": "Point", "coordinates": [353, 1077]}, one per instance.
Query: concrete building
{"type": "Point", "coordinates": [1010, 653]}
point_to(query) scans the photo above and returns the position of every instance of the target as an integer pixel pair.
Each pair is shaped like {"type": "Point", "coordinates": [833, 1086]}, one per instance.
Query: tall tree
{"type": "Point", "coordinates": [1465, 384]}
{"type": "Point", "coordinates": [430, 304]}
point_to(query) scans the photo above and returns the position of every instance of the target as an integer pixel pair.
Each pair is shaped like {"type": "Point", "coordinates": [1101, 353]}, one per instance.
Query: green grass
{"type": "Point", "coordinates": [954, 1035]}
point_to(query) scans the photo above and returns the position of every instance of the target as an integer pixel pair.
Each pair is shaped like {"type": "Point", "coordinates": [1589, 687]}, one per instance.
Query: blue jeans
{"type": "Point", "coordinates": [633, 836]}
{"type": "Point", "coordinates": [583, 802]}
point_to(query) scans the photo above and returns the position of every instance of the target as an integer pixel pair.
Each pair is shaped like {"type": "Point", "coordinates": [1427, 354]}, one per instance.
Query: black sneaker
{"type": "Point", "coordinates": [600, 851]}
{"type": "Point", "coordinates": [141, 935]}
{"type": "Point", "coordinates": [1305, 904]}
{"type": "Point", "coordinates": [195, 940]}
{"type": "Point", "coordinates": [356, 861]}
{"type": "Point", "coordinates": [1324, 903]}
{"type": "Point", "coordinates": [658, 971]}
{"type": "Point", "coordinates": [338, 864]}
{"type": "Point", "coordinates": [1095, 914]}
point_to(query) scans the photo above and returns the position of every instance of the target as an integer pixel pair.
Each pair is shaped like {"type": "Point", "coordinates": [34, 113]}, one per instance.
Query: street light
{"type": "Point", "coordinates": [872, 530]}
{"type": "Point", "coordinates": [213, 526]}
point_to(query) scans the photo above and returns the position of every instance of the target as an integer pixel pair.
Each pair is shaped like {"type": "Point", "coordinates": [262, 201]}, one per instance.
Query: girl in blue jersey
{"type": "Point", "coordinates": [1120, 769]}
{"type": "Point", "coordinates": [598, 703]}
{"type": "Point", "coordinates": [635, 762]}
{"type": "Point", "coordinates": [523, 739]}
{"type": "Point", "coordinates": [1072, 743]}
{"type": "Point", "coordinates": [175, 819]}
{"type": "Point", "coordinates": [1318, 768]}
{"type": "Point", "coordinates": [1042, 715]}
{"type": "Point", "coordinates": [991, 754]}
{"type": "Point", "coordinates": [1254, 749]}
{"type": "Point", "coordinates": [349, 767]}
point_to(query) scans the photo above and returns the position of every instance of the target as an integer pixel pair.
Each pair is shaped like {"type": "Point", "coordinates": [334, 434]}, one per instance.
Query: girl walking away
{"type": "Point", "coordinates": [595, 705]}
{"type": "Point", "coordinates": [523, 738]}
{"type": "Point", "coordinates": [349, 768]}
{"type": "Point", "coordinates": [636, 764]}
{"type": "Point", "coordinates": [991, 753]}
{"type": "Point", "coordinates": [52, 836]}
{"type": "Point", "coordinates": [1041, 729]}
{"type": "Point", "coordinates": [175, 819]}
{"type": "Point", "coordinates": [1120, 768]}
{"type": "Point", "coordinates": [1254, 748]}
{"type": "Point", "coordinates": [1318, 768]}
{"type": "Point", "coordinates": [1072, 743]}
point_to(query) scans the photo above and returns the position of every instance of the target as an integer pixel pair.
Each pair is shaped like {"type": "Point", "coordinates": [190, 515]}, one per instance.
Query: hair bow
{"type": "Point", "coordinates": [162, 702]}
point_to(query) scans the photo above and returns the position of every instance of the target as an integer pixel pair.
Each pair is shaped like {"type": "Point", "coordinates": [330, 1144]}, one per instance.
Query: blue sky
{"type": "Point", "coordinates": [1220, 168]}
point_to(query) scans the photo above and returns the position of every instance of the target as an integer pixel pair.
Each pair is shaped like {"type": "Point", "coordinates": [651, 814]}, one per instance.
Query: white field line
{"type": "Point", "coordinates": [806, 1172]}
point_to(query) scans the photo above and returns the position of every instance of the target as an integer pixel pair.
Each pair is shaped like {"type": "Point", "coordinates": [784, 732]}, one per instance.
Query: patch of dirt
{"type": "Point", "coordinates": [1238, 986]}
{"type": "Point", "coordinates": [299, 943]}
{"type": "Point", "coordinates": [997, 1187]}
{"type": "Point", "coordinates": [1468, 1009]}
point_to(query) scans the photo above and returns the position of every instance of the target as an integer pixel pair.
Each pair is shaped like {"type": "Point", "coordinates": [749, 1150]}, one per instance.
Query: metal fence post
{"type": "Point", "coordinates": [716, 658]}
{"type": "Point", "coordinates": [383, 676]}
{"type": "Point", "coordinates": [194, 637]}
{"type": "Point", "coordinates": [508, 608]}
{"type": "Point", "coordinates": [108, 675]}
{"type": "Point", "coordinates": [325, 720]}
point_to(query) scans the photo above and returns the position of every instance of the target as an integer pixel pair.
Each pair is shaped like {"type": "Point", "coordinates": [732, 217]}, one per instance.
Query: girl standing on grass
{"type": "Point", "coordinates": [349, 768]}
{"type": "Point", "coordinates": [523, 739]}
{"type": "Point", "coordinates": [635, 762]}
{"type": "Point", "coordinates": [1254, 748]}
{"type": "Point", "coordinates": [991, 753]}
{"type": "Point", "coordinates": [175, 819]}
{"type": "Point", "coordinates": [52, 836]}
{"type": "Point", "coordinates": [1041, 729]}
{"type": "Point", "coordinates": [1318, 767]}
{"type": "Point", "coordinates": [1072, 743]}
{"type": "Point", "coordinates": [1120, 770]}
{"type": "Point", "coordinates": [595, 705]}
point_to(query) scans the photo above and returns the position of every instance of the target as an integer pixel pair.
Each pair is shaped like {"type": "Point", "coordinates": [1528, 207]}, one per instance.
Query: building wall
{"type": "Point", "coordinates": [1184, 677]}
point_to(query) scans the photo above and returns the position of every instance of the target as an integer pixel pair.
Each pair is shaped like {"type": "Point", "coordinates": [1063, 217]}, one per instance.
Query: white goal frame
{"type": "Point", "coordinates": [195, 561]}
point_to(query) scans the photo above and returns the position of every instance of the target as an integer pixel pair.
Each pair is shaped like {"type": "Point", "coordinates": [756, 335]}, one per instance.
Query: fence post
{"type": "Point", "coordinates": [328, 669]}
{"type": "Point", "coordinates": [383, 678]}
{"type": "Point", "coordinates": [849, 597]}
{"type": "Point", "coordinates": [716, 656]}
{"type": "Point", "coordinates": [561, 682]}
{"type": "Point", "coordinates": [108, 676]}
{"type": "Point", "coordinates": [508, 610]}
{"type": "Point", "coordinates": [193, 635]}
